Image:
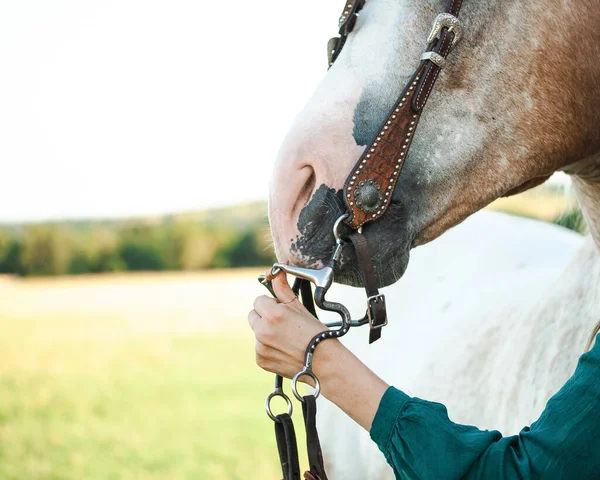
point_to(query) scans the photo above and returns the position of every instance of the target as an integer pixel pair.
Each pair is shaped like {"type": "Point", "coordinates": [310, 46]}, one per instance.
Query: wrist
{"type": "Point", "coordinates": [348, 382]}
{"type": "Point", "coordinates": [328, 364]}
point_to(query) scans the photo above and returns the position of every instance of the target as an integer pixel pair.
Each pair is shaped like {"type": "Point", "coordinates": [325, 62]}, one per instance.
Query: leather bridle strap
{"type": "Point", "coordinates": [376, 311]}
{"type": "Point", "coordinates": [313, 445]}
{"type": "Point", "coordinates": [303, 289]}
{"type": "Point", "coordinates": [346, 24]}
{"type": "Point", "coordinates": [369, 187]}
{"type": "Point", "coordinates": [285, 435]}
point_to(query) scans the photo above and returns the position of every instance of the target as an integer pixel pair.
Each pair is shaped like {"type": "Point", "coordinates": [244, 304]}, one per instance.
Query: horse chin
{"type": "Point", "coordinates": [388, 269]}
{"type": "Point", "coordinates": [388, 266]}
{"type": "Point", "coordinates": [389, 240]}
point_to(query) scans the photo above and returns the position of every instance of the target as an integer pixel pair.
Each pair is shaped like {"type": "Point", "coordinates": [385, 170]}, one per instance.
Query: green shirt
{"type": "Point", "coordinates": [420, 442]}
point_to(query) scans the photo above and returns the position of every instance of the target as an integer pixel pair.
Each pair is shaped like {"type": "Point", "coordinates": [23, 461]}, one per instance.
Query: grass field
{"type": "Point", "coordinates": [148, 376]}
{"type": "Point", "coordinates": [132, 377]}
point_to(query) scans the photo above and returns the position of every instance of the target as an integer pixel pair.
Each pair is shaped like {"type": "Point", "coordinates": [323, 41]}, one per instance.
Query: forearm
{"type": "Point", "coordinates": [419, 440]}
{"type": "Point", "coordinates": [348, 382]}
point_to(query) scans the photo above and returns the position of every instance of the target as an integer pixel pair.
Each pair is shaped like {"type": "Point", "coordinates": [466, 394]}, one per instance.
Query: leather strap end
{"type": "Point", "coordinates": [374, 335]}
{"type": "Point", "coordinates": [377, 317]}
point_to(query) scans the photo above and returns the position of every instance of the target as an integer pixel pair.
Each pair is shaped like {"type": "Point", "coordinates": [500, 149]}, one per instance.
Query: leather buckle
{"type": "Point", "coordinates": [449, 21]}
{"type": "Point", "coordinates": [370, 315]}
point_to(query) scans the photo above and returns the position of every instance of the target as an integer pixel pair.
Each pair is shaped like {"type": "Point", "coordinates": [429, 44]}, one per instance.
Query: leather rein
{"type": "Point", "coordinates": [367, 195]}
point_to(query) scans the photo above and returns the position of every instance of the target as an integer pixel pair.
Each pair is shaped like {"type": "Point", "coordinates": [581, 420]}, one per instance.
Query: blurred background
{"type": "Point", "coordinates": [136, 143]}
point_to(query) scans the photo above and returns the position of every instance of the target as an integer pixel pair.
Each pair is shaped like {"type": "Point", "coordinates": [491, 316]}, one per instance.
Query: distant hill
{"type": "Point", "coordinates": [226, 237]}
{"type": "Point", "coordinates": [238, 216]}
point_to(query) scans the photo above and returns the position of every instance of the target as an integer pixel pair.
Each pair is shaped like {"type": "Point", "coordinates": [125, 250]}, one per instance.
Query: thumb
{"type": "Point", "coordinates": [282, 289]}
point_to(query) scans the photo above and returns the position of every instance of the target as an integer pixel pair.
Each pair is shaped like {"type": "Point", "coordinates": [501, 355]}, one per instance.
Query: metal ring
{"type": "Point", "coordinates": [308, 373]}
{"type": "Point", "coordinates": [336, 227]}
{"type": "Point", "coordinates": [270, 397]}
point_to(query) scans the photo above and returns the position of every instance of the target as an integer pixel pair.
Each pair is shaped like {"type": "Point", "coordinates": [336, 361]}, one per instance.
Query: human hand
{"type": "Point", "coordinates": [283, 329]}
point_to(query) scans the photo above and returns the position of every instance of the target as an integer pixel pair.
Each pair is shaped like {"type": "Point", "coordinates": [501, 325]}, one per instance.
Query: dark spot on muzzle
{"type": "Point", "coordinates": [388, 239]}
{"type": "Point", "coordinates": [315, 224]}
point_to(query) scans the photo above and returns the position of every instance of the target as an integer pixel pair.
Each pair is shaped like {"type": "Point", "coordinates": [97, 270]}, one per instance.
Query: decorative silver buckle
{"type": "Point", "coordinates": [375, 298]}
{"type": "Point", "coordinates": [451, 23]}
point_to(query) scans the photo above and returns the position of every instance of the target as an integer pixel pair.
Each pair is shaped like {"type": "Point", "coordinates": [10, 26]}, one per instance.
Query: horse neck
{"type": "Point", "coordinates": [586, 181]}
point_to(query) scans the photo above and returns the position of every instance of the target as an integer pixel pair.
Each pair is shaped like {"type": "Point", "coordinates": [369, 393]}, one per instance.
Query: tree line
{"type": "Point", "coordinates": [169, 243]}
{"type": "Point", "coordinates": [224, 238]}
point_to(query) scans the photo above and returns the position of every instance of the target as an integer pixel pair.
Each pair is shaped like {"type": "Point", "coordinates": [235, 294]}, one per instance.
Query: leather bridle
{"type": "Point", "coordinates": [367, 194]}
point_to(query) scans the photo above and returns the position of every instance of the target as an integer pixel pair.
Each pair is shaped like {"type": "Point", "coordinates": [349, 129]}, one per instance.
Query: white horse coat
{"type": "Point", "coordinates": [489, 320]}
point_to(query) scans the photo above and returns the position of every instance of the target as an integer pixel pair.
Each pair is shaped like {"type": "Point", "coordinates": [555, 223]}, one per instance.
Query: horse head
{"type": "Point", "coordinates": [518, 100]}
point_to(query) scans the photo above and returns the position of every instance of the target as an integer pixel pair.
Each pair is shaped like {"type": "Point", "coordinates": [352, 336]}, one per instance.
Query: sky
{"type": "Point", "coordinates": [127, 107]}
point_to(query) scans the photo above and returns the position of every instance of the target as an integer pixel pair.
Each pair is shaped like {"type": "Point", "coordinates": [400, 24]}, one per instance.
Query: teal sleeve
{"type": "Point", "coordinates": [419, 441]}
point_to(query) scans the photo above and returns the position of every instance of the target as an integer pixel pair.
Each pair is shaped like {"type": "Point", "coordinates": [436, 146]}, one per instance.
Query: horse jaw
{"type": "Point", "coordinates": [507, 110]}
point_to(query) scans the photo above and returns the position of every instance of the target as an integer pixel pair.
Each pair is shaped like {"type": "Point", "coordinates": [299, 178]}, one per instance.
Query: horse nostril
{"type": "Point", "coordinates": [308, 188]}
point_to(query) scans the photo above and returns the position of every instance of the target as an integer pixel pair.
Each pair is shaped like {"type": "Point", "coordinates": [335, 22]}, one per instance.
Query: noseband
{"type": "Point", "coordinates": [367, 194]}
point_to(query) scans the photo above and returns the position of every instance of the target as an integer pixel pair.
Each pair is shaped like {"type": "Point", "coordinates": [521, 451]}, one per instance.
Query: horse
{"type": "Point", "coordinates": [518, 101]}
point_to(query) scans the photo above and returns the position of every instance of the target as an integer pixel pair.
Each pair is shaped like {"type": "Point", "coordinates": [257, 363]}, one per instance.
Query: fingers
{"type": "Point", "coordinates": [265, 318]}
{"type": "Point", "coordinates": [276, 361]}
{"type": "Point", "coordinates": [262, 330]}
{"type": "Point", "coordinates": [265, 306]}
{"type": "Point", "coordinates": [253, 319]}
{"type": "Point", "coordinates": [282, 289]}
{"type": "Point", "coordinates": [263, 324]}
